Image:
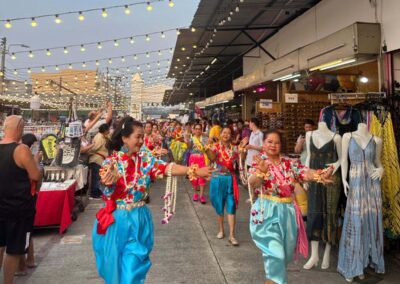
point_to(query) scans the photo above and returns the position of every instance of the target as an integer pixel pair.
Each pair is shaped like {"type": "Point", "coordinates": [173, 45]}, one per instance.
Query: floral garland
{"type": "Point", "coordinates": [170, 196]}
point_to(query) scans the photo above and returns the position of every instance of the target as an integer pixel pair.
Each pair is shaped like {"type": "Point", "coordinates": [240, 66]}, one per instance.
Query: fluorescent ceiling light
{"type": "Point", "coordinates": [287, 77]}
{"type": "Point", "coordinates": [339, 64]}
{"type": "Point", "coordinates": [333, 64]}
{"type": "Point", "coordinates": [214, 60]}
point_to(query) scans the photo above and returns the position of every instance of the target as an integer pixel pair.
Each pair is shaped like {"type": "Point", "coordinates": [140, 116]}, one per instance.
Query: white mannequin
{"type": "Point", "coordinates": [362, 137]}
{"type": "Point", "coordinates": [320, 137]}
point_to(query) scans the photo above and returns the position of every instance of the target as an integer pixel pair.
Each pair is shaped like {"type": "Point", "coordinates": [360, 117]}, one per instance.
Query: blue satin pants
{"type": "Point", "coordinates": [122, 254]}
{"type": "Point", "coordinates": [221, 194]}
{"type": "Point", "coordinates": [276, 237]}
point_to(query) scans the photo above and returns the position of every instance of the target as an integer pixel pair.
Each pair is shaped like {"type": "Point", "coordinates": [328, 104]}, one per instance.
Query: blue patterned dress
{"type": "Point", "coordinates": [361, 243]}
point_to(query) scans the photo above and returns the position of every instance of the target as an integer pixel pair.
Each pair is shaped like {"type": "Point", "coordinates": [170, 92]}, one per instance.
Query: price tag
{"type": "Point", "coordinates": [291, 98]}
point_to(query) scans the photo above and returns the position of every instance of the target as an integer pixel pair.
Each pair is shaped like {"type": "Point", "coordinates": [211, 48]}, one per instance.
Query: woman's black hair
{"type": "Point", "coordinates": [273, 131]}
{"type": "Point", "coordinates": [28, 139]}
{"type": "Point", "coordinates": [124, 129]}
{"type": "Point", "coordinates": [197, 124]}
{"type": "Point", "coordinates": [104, 128]}
{"type": "Point", "coordinates": [149, 122]}
{"type": "Point", "coordinates": [255, 121]}
{"type": "Point", "coordinates": [309, 121]}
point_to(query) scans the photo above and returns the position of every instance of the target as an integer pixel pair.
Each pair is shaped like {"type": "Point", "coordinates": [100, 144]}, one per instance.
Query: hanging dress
{"type": "Point", "coordinates": [391, 175]}
{"type": "Point", "coordinates": [323, 199]}
{"type": "Point", "coordinates": [361, 243]}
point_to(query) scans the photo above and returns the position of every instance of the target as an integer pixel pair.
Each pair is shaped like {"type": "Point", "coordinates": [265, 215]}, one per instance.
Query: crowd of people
{"type": "Point", "coordinates": [126, 156]}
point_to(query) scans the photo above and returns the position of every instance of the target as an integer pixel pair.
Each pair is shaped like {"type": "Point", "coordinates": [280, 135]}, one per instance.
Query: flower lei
{"type": "Point", "coordinates": [170, 196]}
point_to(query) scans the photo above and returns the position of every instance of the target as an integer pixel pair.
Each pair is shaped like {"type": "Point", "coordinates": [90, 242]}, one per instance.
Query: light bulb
{"type": "Point", "coordinates": [43, 69]}
{"type": "Point", "coordinates": [132, 40]}
{"type": "Point", "coordinates": [127, 10]}
{"type": "Point", "coordinates": [193, 29]}
{"type": "Point", "coordinates": [183, 48]}
{"type": "Point", "coordinates": [13, 57]}
{"type": "Point", "coordinates": [31, 55]}
{"type": "Point", "coordinates": [237, 9]}
{"type": "Point", "coordinates": [123, 59]}
{"type": "Point", "coordinates": [34, 23]}
{"type": "Point", "coordinates": [116, 44]}
{"type": "Point", "coordinates": [84, 65]}
{"type": "Point", "coordinates": [57, 20]}
{"type": "Point", "coordinates": [81, 17]}
{"type": "Point", "coordinates": [8, 24]}
{"type": "Point", "coordinates": [159, 53]}
{"type": "Point", "coordinates": [104, 13]}
{"type": "Point", "coordinates": [194, 46]}
{"type": "Point", "coordinates": [178, 32]}
{"type": "Point", "coordinates": [97, 63]}
{"type": "Point", "coordinates": [171, 3]}
{"type": "Point", "coordinates": [149, 7]}
{"type": "Point", "coordinates": [29, 70]}
{"type": "Point", "coordinates": [65, 50]}
{"type": "Point", "coordinates": [70, 66]}
{"type": "Point", "coordinates": [109, 61]}
{"type": "Point", "coordinates": [162, 35]}
{"type": "Point", "coordinates": [147, 38]}
{"type": "Point", "coordinates": [99, 45]}
{"type": "Point", "coordinates": [229, 18]}
{"type": "Point", "coordinates": [57, 68]}
{"type": "Point", "coordinates": [15, 72]}
{"type": "Point", "coordinates": [147, 54]}
{"type": "Point", "coordinates": [83, 48]}
{"type": "Point", "coordinates": [363, 79]}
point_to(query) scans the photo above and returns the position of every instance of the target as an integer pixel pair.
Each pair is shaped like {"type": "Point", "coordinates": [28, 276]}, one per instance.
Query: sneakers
{"type": "Point", "coordinates": [195, 197]}
{"type": "Point", "coordinates": [203, 199]}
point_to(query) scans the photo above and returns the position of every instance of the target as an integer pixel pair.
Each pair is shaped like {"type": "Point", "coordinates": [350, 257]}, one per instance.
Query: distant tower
{"type": "Point", "coordinates": [137, 85]}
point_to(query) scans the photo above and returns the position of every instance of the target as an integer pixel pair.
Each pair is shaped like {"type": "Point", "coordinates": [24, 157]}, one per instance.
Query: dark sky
{"type": "Point", "coordinates": [93, 29]}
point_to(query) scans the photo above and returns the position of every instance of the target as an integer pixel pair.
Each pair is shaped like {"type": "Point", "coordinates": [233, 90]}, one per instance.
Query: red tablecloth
{"type": "Point", "coordinates": [54, 205]}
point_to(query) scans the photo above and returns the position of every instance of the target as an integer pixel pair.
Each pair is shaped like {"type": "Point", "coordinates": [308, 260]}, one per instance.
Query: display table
{"type": "Point", "coordinates": [55, 203]}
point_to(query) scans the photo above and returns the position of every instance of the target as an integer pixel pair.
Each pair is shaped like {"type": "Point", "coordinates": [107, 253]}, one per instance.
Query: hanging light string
{"type": "Point", "coordinates": [81, 13]}
{"type": "Point", "coordinates": [135, 56]}
{"type": "Point", "coordinates": [234, 9]}
{"type": "Point", "coordinates": [82, 46]}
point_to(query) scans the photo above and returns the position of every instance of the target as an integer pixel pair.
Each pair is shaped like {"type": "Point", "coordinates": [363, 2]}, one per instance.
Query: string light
{"type": "Point", "coordinates": [13, 57]}
{"type": "Point", "coordinates": [57, 68]}
{"type": "Point", "coordinates": [116, 44]}
{"type": "Point", "coordinates": [65, 50]}
{"type": "Point", "coordinates": [34, 23]}
{"type": "Point", "coordinates": [147, 54]}
{"type": "Point", "coordinates": [83, 48]}
{"type": "Point", "coordinates": [178, 32]}
{"type": "Point", "coordinates": [147, 38]}
{"type": "Point", "coordinates": [43, 69]}
{"type": "Point", "coordinates": [84, 65]}
{"type": "Point", "coordinates": [149, 7]}
{"type": "Point", "coordinates": [8, 24]}
{"type": "Point", "coordinates": [81, 17]}
{"type": "Point", "coordinates": [171, 3]}
{"type": "Point", "coordinates": [57, 20]}
{"type": "Point", "coordinates": [109, 61]}
{"type": "Point", "coordinates": [99, 46]}
{"type": "Point", "coordinates": [135, 57]}
{"type": "Point", "coordinates": [48, 52]}
{"type": "Point", "coordinates": [127, 10]}
{"type": "Point", "coordinates": [104, 13]}
{"type": "Point", "coordinates": [70, 66]}
{"type": "Point", "coordinates": [193, 29]}
{"type": "Point", "coordinates": [31, 54]}
{"type": "Point", "coordinates": [97, 63]}
{"type": "Point", "coordinates": [162, 35]}
{"type": "Point", "coordinates": [159, 53]}
{"type": "Point", "coordinates": [29, 71]}
{"type": "Point", "coordinates": [123, 59]}
{"type": "Point", "coordinates": [132, 40]}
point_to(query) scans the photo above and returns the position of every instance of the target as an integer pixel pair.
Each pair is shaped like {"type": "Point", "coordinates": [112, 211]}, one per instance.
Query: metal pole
{"type": "Point", "coordinates": [3, 63]}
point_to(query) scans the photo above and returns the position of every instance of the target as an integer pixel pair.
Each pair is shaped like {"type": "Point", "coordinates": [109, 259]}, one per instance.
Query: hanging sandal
{"type": "Point", "coordinates": [234, 242]}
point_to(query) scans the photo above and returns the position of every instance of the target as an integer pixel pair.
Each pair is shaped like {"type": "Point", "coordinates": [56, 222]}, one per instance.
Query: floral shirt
{"type": "Point", "coordinates": [138, 170]}
{"type": "Point", "coordinates": [225, 157]}
{"type": "Point", "coordinates": [282, 178]}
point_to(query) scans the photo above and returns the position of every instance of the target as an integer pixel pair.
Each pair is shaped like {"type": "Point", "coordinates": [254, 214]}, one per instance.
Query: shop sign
{"type": "Point", "coordinates": [291, 98]}
{"type": "Point", "coordinates": [266, 103]}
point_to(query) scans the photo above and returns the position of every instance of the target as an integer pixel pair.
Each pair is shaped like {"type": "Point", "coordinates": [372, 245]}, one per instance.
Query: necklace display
{"type": "Point", "coordinates": [170, 196]}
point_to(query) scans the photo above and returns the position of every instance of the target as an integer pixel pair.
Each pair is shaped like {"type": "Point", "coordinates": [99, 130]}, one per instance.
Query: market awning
{"type": "Point", "coordinates": [209, 52]}
{"type": "Point", "coordinates": [217, 99]}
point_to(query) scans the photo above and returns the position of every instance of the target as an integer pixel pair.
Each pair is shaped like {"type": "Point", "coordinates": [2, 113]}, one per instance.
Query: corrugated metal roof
{"type": "Point", "coordinates": [216, 47]}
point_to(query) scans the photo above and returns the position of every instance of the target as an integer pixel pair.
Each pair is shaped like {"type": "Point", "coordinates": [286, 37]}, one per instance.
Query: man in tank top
{"type": "Point", "coordinates": [17, 168]}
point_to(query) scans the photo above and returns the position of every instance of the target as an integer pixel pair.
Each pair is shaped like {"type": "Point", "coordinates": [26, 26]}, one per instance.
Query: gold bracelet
{"type": "Point", "coordinates": [263, 176]}
{"type": "Point", "coordinates": [319, 173]}
{"type": "Point", "coordinates": [192, 172]}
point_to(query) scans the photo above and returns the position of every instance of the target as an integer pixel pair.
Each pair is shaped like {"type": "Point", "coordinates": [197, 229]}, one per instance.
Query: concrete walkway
{"type": "Point", "coordinates": [186, 250]}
